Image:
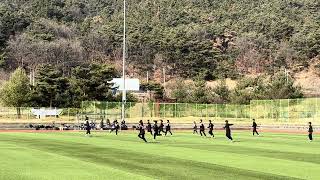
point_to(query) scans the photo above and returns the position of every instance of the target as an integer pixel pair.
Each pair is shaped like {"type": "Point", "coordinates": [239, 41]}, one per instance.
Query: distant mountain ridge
{"type": "Point", "coordinates": [211, 38]}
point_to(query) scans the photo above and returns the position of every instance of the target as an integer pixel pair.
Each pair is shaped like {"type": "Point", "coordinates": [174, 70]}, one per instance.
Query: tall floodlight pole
{"type": "Point", "coordinates": [123, 62]}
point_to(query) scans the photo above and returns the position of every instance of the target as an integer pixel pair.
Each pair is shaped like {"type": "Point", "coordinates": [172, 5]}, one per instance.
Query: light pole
{"type": "Point", "coordinates": [123, 62]}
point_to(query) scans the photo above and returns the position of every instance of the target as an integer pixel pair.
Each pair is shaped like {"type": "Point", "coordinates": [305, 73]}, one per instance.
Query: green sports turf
{"type": "Point", "coordinates": [71, 155]}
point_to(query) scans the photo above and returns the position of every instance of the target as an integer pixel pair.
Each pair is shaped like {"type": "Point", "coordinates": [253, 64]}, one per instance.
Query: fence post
{"type": "Point", "coordinates": [164, 115]}
{"type": "Point", "coordinates": [288, 119]}
{"type": "Point", "coordinates": [288, 106]}
{"type": "Point", "coordinates": [224, 111]}
{"type": "Point", "coordinates": [154, 111]}
{"type": "Point", "coordinates": [81, 109]}
{"type": "Point", "coordinates": [186, 107]}
{"type": "Point", "coordinates": [250, 113]}
{"type": "Point", "coordinates": [94, 107]}
{"type": "Point", "coordinates": [316, 108]}
{"type": "Point", "coordinates": [196, 110]}
{"type": "Point", "coordinates": [237, 107]}
{"type": "Point", "coordinates": [216, 109]}
{"type": "Point", "coordinates": [264, 110]}
{"type": "Point", "coordinates": [142, 110]}
{"type": "Point", "coordinates": [130, 111]}
{"type": "Point", "coordinates": [175, 110]}
{"type": "Point", "coordinates": [107, 110]}
{"type": "Point", "coordinates": [280, 110]}
{"type": "Point", "coordinates": [207, 111]}
{"type": "Point", "coordinates": [272, 106]}
{"type": "Point", "coordinates": [179, 109]}
{"type": "Point", "coordinates": [28, 114]}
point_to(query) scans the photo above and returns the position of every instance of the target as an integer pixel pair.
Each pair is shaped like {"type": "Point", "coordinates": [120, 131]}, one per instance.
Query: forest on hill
{"type": "Point", "coordinates": [62, 52]}
{"type": "Point", "coordinates": [210, 38]}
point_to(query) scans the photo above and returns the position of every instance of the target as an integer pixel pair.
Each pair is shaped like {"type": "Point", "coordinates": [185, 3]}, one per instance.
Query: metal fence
{"type": "Point", "coordinates": [281, 111]}
{"type": "Point", "coordinates": [267, 111]}
{"type": "Point", "coordinates": [183, 111]}
{"type": "Point", "coordinates": [286, 110]}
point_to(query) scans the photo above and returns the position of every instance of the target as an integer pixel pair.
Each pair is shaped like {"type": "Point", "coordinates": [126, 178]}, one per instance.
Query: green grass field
{"type": "Point", "coordinates": [71, 155]}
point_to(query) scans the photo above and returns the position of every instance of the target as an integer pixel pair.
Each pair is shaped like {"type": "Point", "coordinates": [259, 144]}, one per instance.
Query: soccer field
{"type": "Point", "coordinates": [71, 155]}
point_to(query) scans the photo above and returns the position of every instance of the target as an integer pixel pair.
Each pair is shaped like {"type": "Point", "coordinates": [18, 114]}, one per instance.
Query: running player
{"type": "Point", "coordinates": [115, 127]}
{"type": "Point", "coordinates": [228, 130]}
{"type": "Point", "coordinates": [155, 129]}
{"type": "Point", "coordinates": [211, 128]}
{"type": "Point", "coordinates": [168, 128]}
{"type": "Point", "coordinates": [141, 131]}
{"type": "Point", "coordinates": [254, 127]}
{"type": "Point", "coordinates": [310, 132]}
{"type": "Point", "coordinates": [161, 126]}
{"type": "Point", "coordinates": [88, 127]}
{"type": "Point", "coordinates": [202, 128]}
{"type": "Point", "coordinates": [149, 127]}
{"type": "Point", "coordinates": [195, 128]}
{"type": "Point", "coordinates": [101, 124]}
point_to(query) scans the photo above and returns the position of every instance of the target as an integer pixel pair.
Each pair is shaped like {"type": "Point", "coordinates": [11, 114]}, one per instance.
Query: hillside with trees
{"type": "Point", "coordinates": [190, 39]}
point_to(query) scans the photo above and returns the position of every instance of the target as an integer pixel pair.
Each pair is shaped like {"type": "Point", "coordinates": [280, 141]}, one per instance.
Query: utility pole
{"type": "Point", "coordinates": [123, 62]}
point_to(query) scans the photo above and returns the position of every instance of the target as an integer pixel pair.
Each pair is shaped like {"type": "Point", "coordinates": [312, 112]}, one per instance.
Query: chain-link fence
{"type": "Point", "coordinates": [182, 112]}
{"type": "Point", "coordinates": [294, 111]}
{"type": "Point", "coordinates": [286, 110]}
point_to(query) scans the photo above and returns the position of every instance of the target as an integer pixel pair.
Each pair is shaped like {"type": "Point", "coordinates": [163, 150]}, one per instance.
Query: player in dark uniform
{"type": "Point", "coordinates": [254, 127]}
{"type": "Point", "coordinates": [211, 128]}
{"type": "Point", "coordinates": [155, 129]}
{"type": "Point", "coordinates": [202, 128]}
{"type": "Point", "coordinates": [228, 130]}
{"type": "Point", "coordinates": [101, 124]}
{"type": "Point", "coordinates": [310, 132]}
{"type": "Point", "coordinates": [115, 127]}
{"type": "Point", "coordinates": [87, 126]}
{"type": "Point", "coordinates": [168, 128]}
{"type": "Point", "coordinates": [149, 127]}
{"type": "Point", "coordinates": [195, 128]}
{"type": "Point", "coordinates": [141, 131]}
{"type": "Point", "coordinates": [161, 126]}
